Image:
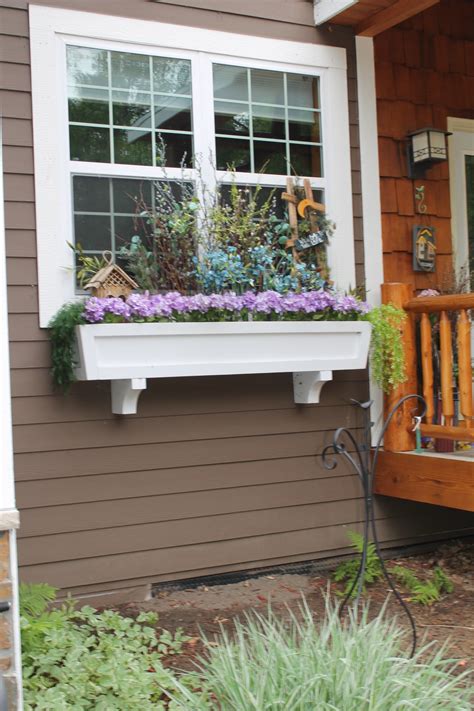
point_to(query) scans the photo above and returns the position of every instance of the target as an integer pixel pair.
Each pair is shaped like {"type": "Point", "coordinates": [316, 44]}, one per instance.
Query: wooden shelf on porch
{"type": "Point", "coordinates": [431, 478]}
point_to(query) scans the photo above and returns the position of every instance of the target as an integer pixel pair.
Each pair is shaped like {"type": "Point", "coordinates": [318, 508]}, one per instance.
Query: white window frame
{"type": "Point", "coordinates": [52, 29]}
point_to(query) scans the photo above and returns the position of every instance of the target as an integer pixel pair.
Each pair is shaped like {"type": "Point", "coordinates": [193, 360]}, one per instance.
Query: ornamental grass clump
{"type": "Point", "coordinates": [303, 665]}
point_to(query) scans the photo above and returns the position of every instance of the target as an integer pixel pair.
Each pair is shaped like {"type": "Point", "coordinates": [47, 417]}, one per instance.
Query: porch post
{"type": "Point", "coordinates": [399, 437]}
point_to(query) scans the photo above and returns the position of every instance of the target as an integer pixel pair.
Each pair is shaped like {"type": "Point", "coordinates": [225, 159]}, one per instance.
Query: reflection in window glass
{"type": "Point", "coordinates": [279, 114]}
{"type": "Point", "coordinates": [231, 83]}
{"type": "Point", "coordinates": [123, 90]}
{"type": "Point", "coordinates": [106, 211]}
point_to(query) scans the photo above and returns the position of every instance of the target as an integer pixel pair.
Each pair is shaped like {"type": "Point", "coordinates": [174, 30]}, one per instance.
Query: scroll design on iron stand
{"type": "Point", "coordinates": [363, 459]}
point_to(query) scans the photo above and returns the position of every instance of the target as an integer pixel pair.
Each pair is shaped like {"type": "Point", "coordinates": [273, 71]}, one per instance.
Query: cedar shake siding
{"type": "Point", "coordinates": [213, 474]}
{"type": "Point", "coordinates": [424, 73]}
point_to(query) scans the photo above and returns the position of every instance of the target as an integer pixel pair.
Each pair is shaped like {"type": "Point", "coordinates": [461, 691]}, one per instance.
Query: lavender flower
{"type": "Point", "coordinates": [176, 306]}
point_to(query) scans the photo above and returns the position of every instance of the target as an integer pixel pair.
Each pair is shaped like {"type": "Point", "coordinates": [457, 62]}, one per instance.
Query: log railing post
{"type": "Point", "coordinates": [399, 437]}
{"type": "Point", "coordinates": [427, 367]}
{"type": "Point", "coordinates": [446, 348]}
{"type": "Point", "coordinates": [465, 367]}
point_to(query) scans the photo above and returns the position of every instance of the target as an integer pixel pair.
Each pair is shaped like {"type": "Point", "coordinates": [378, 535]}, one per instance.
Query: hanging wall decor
{"type": "Point", "coordinates": [424, 249]}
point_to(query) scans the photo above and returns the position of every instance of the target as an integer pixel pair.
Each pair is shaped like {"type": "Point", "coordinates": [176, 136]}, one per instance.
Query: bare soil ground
{"type": "Point", "coordinates": [204, 610]}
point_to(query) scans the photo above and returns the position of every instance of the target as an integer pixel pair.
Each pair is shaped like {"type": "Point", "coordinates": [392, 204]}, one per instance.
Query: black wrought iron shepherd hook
{"type": "Point", "coordinates": [364, 461]}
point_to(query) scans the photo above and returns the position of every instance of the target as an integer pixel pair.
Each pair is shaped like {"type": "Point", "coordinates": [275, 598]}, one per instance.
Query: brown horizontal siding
{"type": "Point", "coordinates": [187, 505]}
{"type": "Point", "coordinates": [20, 243]}
{"type": "Point", "coordinates": [81, 489]}
{"type": "Point", "coordinates": [15, 49]}
{"type": "Point", "coordinates": [167, 398]}
{"type": "Point", "coordinates": [201, 529]}
{"type": "Point", "coordinates": [244, 552]}
{"type": "Point", "coordinates": [110, 433]}
{"type": "Point", "coordinates": [213, 474]}
{"type": "Point", "coordinates": [40, 465]}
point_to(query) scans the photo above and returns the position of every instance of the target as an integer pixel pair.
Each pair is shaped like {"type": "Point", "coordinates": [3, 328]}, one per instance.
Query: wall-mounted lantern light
{"type": "Point", "coordinates": [424, 148]}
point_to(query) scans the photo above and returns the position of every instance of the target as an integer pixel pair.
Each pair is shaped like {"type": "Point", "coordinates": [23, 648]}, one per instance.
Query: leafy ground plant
{"type": "Point", "coordinates": [425, 592]}
{"type": "Point", "coordinates": [347, 571]}
{"type": "Point", "coordinates": [355, 665]}
{"type": "Point", "coordinates": [87, 660]}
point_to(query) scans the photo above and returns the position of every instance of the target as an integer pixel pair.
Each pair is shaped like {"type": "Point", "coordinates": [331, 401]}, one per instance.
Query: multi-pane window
{"type": "Point", "coordinates": [132, 121]}
{"type": "Point", "coordinates": [175, 103]}
{"type": "Point", "coordinates": [128, 108]}
{"type": "Point", "coordinates": [267, 121]}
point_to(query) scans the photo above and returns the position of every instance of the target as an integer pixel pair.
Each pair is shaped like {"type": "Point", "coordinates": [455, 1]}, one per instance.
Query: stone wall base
{"type": "Point", "coordinates": [10, 686]}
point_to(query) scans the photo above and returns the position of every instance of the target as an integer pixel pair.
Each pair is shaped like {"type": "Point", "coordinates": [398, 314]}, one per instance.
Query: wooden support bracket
{"type": "Point", "coordinates": [307, 386]}
{"type": "Point", "coordinates": [125, 394]}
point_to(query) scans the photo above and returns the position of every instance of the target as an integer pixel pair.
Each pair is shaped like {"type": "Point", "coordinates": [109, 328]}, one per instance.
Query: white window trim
{"type": "Point", "coordinates": [51, 29]}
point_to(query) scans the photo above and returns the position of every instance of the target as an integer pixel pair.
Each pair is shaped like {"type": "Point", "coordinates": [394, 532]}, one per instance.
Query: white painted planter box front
{"type": "Point", "coordinates": [129, 353]}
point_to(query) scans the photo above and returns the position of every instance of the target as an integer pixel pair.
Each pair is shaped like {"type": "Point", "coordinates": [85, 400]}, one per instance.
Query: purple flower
{"type": "Point", "coordinates": [94, 310]}
{"type": "Point", "coordinates": [172, 304]}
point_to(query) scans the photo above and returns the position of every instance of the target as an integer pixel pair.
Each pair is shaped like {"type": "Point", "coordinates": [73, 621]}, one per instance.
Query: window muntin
{"type": "Point", "coordinates": [267, 121]}
{"type": "Point", "coordinates": [106, 211]}
{"type": "Point", "coordinates": [129, 109]}
{"type": "Point", "coordinates": [122, 105]}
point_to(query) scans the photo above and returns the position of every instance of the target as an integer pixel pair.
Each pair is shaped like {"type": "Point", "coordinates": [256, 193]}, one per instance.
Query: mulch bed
{"type": "Point", "coordinates": [204, 610]}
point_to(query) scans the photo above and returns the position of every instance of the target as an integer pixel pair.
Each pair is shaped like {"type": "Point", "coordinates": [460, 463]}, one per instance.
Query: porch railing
{"type": "Point", "coordinates": [448, 317]}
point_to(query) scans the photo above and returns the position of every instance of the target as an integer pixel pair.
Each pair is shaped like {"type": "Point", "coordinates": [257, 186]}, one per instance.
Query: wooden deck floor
{"type": "Point", "coordinates": [432, 478]}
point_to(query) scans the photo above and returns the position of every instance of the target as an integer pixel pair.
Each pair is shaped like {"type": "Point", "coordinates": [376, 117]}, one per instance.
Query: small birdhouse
{"type": "Point", "coordinates": [111, 280]}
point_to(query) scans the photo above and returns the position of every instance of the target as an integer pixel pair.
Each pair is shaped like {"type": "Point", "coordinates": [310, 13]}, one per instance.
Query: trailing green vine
{"type": "Point", "coordinates": [63, 343]}
{"type": "Point", "coordinates": [387, 353]}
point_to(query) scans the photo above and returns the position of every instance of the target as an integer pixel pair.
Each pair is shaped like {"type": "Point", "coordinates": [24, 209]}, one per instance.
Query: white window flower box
{"type": "Point", "coordinates": [129, 353]}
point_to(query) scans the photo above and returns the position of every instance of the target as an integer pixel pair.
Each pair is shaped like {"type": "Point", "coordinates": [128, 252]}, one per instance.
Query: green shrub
{"type": "Point", "coordinates": [355, 665]}
{"type": "Point", "coordinates": [86, 660]}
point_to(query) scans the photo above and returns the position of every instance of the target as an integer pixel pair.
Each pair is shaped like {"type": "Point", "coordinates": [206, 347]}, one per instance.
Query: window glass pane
{"type": "Point", "coordinates": [306, 160]}
{"type": "Point", "coordinates": [173, 112]}
{"type": "Point", "coordinates": [230, 83]}
{"type": "Point", "coordinates": [91, 194]}
{"type": "Point", "coordinates": [87, 66]}
{"type": "Point", "coordinates": [88, 105]}
{"type": "Point", "coordinates": [303, 91]}
{"type": "Point", "coordinates": [268, 121]}
{"type": "Point", "coordinates": [127, 192]}
{"type": "Point", "coordinates": [133, 147]}
{"type": "Point", "coordinates": [282, 110]}
{"type": "Point", "coordinates": [231, 118]}
{"type": "Point", "coordinates": [172, 76]}
{"type": "Point", "coordinates": [120, 201]}
{"type": "Point", "coordinates": [176, 148]}
{"type": "Point", "coordinates": [130, 70]}
{"type": "Point", "coordinates": [304, 125]}
{"type": "Point", "coordinates": [90, 144]}
{"type": "Point", "coordinates": [270, 158]}
{"type": "Point", "coordinates": [129, 109]}
{"type": "Point", "coordinates": [233, 153]}
{"type": "Point", "coordinates": [267, 87]}
{"type": "Point", "coordinates": [92, 232]}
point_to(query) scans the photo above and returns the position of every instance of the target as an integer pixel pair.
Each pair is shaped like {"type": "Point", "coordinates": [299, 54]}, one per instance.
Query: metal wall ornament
{"type": "Point", "coordinates": [424, 248]}
{"type": "Point", "coordinates": [363, 459]}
